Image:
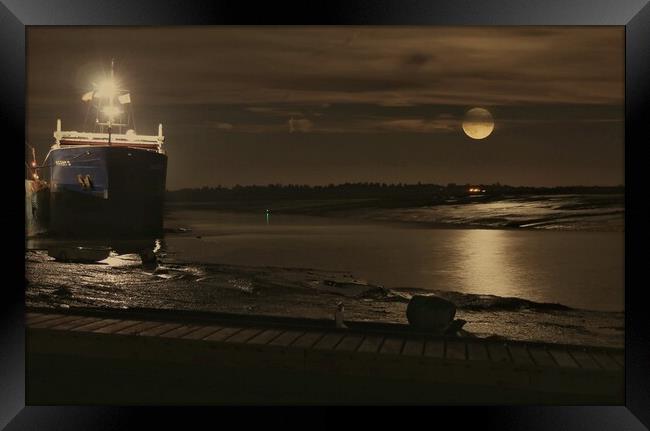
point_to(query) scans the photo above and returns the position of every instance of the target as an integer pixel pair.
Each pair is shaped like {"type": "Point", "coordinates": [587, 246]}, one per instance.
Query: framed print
{"type": "Point", "coordinates": [360, 203]}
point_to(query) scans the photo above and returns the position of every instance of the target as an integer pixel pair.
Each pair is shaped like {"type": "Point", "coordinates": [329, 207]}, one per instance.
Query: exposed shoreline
{"type": "Point", "coordinates": [299, 292]}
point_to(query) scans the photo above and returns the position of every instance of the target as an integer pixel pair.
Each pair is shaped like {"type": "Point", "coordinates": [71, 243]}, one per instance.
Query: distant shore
{"type": "Point", "coordinates": [551, 211]}
{"type": "Point", "coordinates": [304, 198]}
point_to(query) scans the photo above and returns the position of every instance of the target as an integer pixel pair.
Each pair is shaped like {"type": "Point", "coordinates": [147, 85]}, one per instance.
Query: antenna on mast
{"type": "Point", "coordinates": [110, 103]}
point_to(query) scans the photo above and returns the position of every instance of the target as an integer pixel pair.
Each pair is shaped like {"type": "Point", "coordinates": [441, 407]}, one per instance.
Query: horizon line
{"type": "Point", "coordinates": [400, 184]}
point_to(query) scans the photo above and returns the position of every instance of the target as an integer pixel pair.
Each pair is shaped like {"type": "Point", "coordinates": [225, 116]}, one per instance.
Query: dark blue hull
{"type": "Point", "coordinates": [104, 191]}
{"type": "Point", "coordinates": [37, 211]}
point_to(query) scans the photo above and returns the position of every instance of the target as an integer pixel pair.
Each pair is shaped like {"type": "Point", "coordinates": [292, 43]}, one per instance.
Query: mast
{"type": "Point", "coordinates": [107, 98]}
{"type": "Point", "coordinates": [110, 103]}
{"type": "Point", "coordinates": [107, 91]}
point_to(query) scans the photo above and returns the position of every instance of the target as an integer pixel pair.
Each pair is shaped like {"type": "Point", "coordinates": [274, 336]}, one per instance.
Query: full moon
{"type": "Point", "coordinates": [478, 123]}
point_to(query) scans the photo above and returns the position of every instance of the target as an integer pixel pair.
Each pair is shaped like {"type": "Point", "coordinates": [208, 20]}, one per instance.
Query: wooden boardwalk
{"type": "Point", "coordinates": [573, 373]}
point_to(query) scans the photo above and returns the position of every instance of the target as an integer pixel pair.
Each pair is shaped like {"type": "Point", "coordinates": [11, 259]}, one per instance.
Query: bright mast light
{"type": "Point", "coordinates": [107, 89]}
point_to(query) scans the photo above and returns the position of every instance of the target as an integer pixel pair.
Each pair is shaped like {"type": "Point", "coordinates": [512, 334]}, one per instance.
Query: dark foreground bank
{"type": "Point", "coordinates": [135, 357]}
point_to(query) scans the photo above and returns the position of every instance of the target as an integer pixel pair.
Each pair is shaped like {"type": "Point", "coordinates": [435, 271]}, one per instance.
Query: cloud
{"type": "Point", "coordinates": [417, 59]}
{"type": "Point", "coordinates": [274, 111]}
{"type": "Point", "coordinates": [300, 125]}
{"type": "Point", "coordinates": [391, 66]}
{"type": "Point", "coordinates": [419, 125]}
{"type": "Point", "coordinates": [354, 125]}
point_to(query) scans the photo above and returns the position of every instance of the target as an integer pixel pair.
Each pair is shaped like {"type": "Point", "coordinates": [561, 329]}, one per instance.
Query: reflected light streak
{"type": "Point", "coordinates": [486, 266]}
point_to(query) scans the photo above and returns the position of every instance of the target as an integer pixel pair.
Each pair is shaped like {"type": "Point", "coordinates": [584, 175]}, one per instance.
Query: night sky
{"type": "Point", "coordinates": [320, 105]}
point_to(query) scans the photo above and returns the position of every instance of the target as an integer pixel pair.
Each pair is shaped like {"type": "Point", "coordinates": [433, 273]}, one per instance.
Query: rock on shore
{"type": "Point", "coordinates": [430, 313]}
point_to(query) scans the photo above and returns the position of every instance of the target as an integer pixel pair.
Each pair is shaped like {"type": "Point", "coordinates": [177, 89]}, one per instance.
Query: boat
{"type": "Point", "coordinates": [109, 181]}
{"type": "Point", "coordinates": [37, 200]}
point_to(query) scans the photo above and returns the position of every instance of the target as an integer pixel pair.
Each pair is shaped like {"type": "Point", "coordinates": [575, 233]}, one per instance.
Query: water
{"type": "Point", "coordinates": [529, 284]}
{"type": "Point", "coordinates": [581, 269]}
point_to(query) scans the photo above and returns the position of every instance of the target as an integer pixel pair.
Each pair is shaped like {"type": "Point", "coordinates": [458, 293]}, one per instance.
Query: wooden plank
{"type": "Point", "coordinates": [618, 357]}
{"type": "Point", "coordinates": [371, 344]}
{"type": "Point", "coordinates": [584, 360]}
{"type": "Point", "coordinates": [350, 343]}
{"type": "Point", "coordinates": [37, 318]}
{"type": "Point", "coordinates": [434, 349]}
{"type": "Point", "coordinates": [266, 336]}
{"type": "Point", "coordinates": [456, 349]}
{"type": "Point", "coordinates": [74, 323]}
{"type": "Point", "coordinates": [308, 339]}
{"type": "Point", "coordinates": [243, 335]}
{"type": "Point", "coordinates": [392, 346]}
{"type": "Point", "coordinates": [286, 338]}
{"type": "Point", "coordinates": [563, 358]}
{"type": "Point", "coordinates": [223, 334]}
{"type": "Point", "coordinates": [413, 347]}
{"type": "Point", "coordinates": [201, 332]}
{"type": "Point", "coordinates": [329, 341]}
{"type": "Point", "coordinates": [135, 330]}
{"type": "Point", "coordinates": [94, 325]}
{"type": "Point", "coordinates": [158, 330]}
{"type": "Point", "coordinates": [477, 351]}
{"type": "Point", "coordinates": [53, 322]}
{"type": "Point", "coordinates": [520, 354]}
{"type": "Point", "coordinates": [180, 331]}
{"type": "Point", "coordinates": [542, 357]}
{"type": "Point", "coordinates": [31, 316]}
{"type": "Point", "coordinates": [114, 327]}
{"type": "Point", "coordinates": [605, 361]}
{"type": "Point", "coordinates": [498, 352]}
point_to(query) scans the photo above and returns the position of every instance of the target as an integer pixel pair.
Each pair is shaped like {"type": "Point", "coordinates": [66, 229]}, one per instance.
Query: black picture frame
{"type": "Point", "coordinates": [16, 15]}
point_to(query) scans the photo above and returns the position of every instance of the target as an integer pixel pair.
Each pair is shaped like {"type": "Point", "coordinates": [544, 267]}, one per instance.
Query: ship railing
{"type": "Point", "coordinates": [71, 138]}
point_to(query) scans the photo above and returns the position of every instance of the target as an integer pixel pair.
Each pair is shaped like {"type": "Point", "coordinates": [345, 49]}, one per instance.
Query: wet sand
{"type": "Point", "coordinates": [123, 282]}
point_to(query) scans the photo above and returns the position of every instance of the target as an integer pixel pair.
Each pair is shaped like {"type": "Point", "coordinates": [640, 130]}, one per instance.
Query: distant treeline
{"type": "Point", "coordinates": [273, 192]}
